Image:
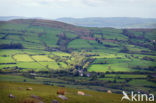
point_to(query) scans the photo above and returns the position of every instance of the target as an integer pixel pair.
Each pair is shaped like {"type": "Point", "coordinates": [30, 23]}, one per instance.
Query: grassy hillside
{"type": "Point", "coordinates": [49, 93]}
{"type": "Point", "coordinates": [35, 41]}
{"type": "Point", "coordinates": [90, 58]}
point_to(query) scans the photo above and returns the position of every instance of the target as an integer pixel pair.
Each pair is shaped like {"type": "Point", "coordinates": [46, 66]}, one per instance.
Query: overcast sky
{"type": "Point", "coordinates": [78, 8]}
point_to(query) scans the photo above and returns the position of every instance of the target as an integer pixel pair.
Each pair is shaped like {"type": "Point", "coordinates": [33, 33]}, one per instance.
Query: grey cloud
{"type": "Point", "coordinates": [78, 8]}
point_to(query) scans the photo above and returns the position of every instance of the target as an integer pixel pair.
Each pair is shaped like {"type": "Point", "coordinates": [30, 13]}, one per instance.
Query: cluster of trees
{"type": "Point", "coordinates": [132, 40]}
{"type": "Point", "coordinates": [29, 75]}
{"type": "Point", "coordinates": [98, 41]}
{"type": "Point", "coordinates": [80, 60]}
{"type": "Point", "coordinates": [131, 35]}
{"type": "Point", "coordinates": [124, 49]}
{"type": "Point", "coordinates": [150, 68]}
{"type": "Point", "coordinates": [147, 58]}
{"type": "Point", "coordinates": [63, 41]}
{"type": "Point", "coordinates": [11, 46]}
{"type": "Point", "coordinates": [93, 80]}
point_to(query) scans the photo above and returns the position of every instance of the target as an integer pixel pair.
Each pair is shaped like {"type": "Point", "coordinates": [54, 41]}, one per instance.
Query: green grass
{"type": "Point", "coordinates": [61, 53]}
{"type": "Point", "coordinates": [34, 57]}
{"type": "Point", "coordinates": [22, 57]}
{"type": "Point", "coordinates": [151, 35]}
{"type": "Point", "coordinates": [114, 67]}
{"type": "Point", "coordinates": [30, 65]}
{"type": "Point", "coordinates": [26, 59]}
{"type": "Point", "coordinates": [10, 51]}
{"type": "Point", "coordinates": [7, 59]}
{"type": "Point", "coordinates": [32, 38]}
{"type": "Point", "coordinates": [63, 64]}
{"type": "Point", "coordinates": [110, 33]}
{"type": "Point", "coordinates": [12, 26]}
{"type": "Point", "coordinates": [41, 58]}
{"type": "Point", "coordinates": [112, 79]}
{"type": "Point", "coordinates": [7, 66]}
{"type": "Point", "coordinates": [142, 82]}
{"type": "Point", "coordinates": [97, 36]}
{"type": "Point", "coordinates": [119, 62]}
{"type": "Point", "coordinates": [71, 35]}
{"type": "Point", "coordinates": [34, 52]}
{"type": "Point", "coordinates": [14, 78]}
{"type": "Point", "coordinates": [141, 63]}
{"type": "Point", "coordinates": [110, 60]}
{"type": "Point", "coordinates": [108, 55]}
{"type": "Point", "coordinates": [111, 43]}
{"type": "Point", "coordinates": [19, 78]}
{"type": "Point", "coordinates": [48, 93]}
{"type": "Point", "coordinates": [36, 44]}
{"type": "Point", "coordinates": [15, 37]}
{"type": "Point", "coordinates": [79, 43]}
{"type": "Point", "coordinates": [50, 65]}
{"type": "Point", "coordinates": [50, 38]}
{"type": "Point", "coordinates": [6, 41]}
{"type": "Point", "coordinates": [98, 68]}
{"type": "Point", "coordinates": [126, 76]}
{"type": "Point", "coordinates": [30, 45]}
{"type": "Point", "coordinates": [138, 49]}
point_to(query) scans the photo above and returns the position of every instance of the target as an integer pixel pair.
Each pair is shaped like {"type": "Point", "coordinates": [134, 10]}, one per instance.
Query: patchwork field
{"type": "Point", "coordinates": [22, 57]}
{"type": "Point", "coordinates": [55, 53]}
{"type": "Point", "coordinates": [103, 62]}
{"type": "Point", "coordinates": [29, 60]}
{"type": "Point", "coordinates": [120, 62]}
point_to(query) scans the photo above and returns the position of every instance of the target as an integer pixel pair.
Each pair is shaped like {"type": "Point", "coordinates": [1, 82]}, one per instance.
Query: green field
{"type": "Point", "coordinates": [126, 76]}
{"type": "Point", "coordinates": [7, 59]}
{"type": "Point", "coordinates": [55, 53]}
{"type": "Point", "coordinates": [48, 93]}
{"type": "Point", "coordinates": [79, 43]}
{"type": "Point", "coordinates": [113, 67]}
{"type": "Point", "coordinates": [142, 83]}
{"type": "Point", "coordinates": [22, 57]}
{"type": "Point", "coordinates": [41, 58]}
{"type": "Point", "coordinates": [51, 44]}
{"type": "Point", "coordinates": [31, 59]}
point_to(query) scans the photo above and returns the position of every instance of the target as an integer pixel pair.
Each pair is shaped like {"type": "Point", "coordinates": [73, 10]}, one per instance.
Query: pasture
{"type": "Point", "coordinates": [37, 60]}
{"type": "Point", "coordinates": [22, 57]}
{"type": "Point", "coordinates": [32, 60]}
{"type": "Point", "coordinates": [120, 62]}
{"type": "Point", "coordinates": [125, 76]}
{"type": "Point", "coordinates": [41, 58]}
{"type": "Point", "coordinates": [79, 43]}
{"type": "Point", "coordinates": [62, 54]}
{"type": "Point", "coordinates": [49, 93]}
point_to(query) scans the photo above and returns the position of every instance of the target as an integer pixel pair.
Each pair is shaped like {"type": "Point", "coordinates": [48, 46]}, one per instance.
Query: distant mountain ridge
{"type": "Point", "coordinates": [115, 22]}
{"type": "Point", "coordinates": [6, 18]}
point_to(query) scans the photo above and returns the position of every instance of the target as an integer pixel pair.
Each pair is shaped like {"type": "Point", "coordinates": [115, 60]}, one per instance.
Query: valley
{"type": "Point", "coordinates": [59, 54]}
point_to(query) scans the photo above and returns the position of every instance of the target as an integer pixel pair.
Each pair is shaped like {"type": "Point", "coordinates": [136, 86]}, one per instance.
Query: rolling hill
{"type": "Point", "coordinates": [49, 36]}
{"type": "Point", "coordinates": [56, 53]}
{"type": "Point", "coordinates": [49, 93]}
